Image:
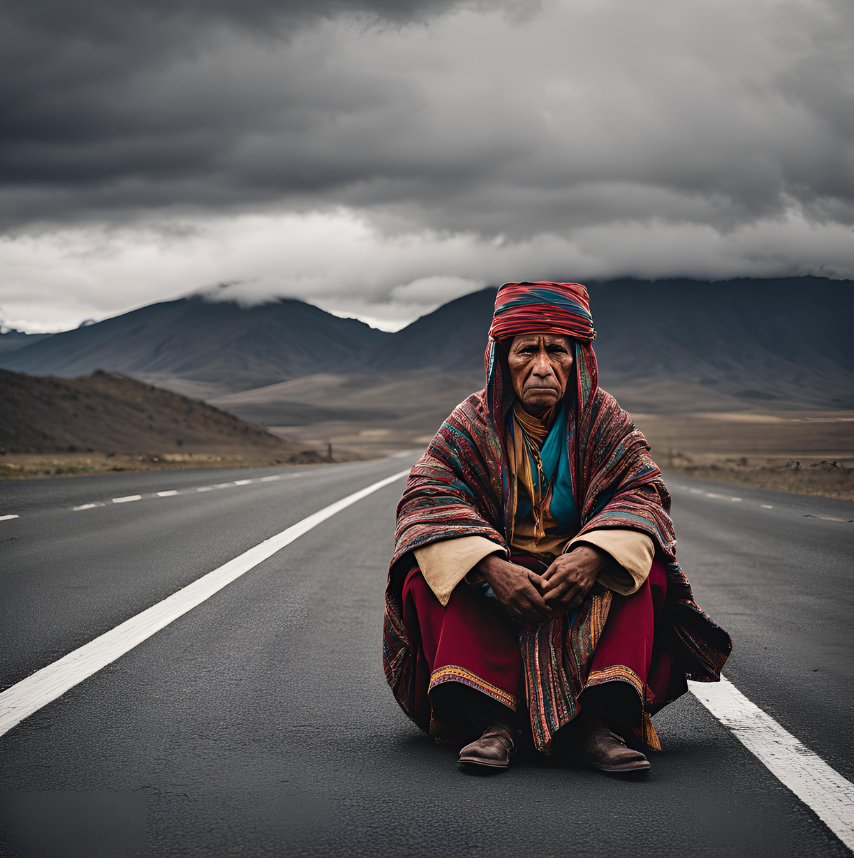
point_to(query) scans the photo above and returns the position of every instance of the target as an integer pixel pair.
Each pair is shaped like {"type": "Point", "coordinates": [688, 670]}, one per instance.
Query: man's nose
{"type": "Point", "coordinates": [542, 366]}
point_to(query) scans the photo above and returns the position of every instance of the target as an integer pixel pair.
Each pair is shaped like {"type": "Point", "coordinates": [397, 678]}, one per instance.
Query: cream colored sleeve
{"type": "Point", "coordinates": [444, 564]}
{"type": "Point", "coordinates": [632, 552]}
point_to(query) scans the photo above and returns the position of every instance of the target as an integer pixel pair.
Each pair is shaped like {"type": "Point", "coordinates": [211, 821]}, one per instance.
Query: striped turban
{"type": "Point", "coordinates": [542, 308]}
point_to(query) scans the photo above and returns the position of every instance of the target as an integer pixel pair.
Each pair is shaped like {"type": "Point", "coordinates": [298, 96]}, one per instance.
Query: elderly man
{"type": "Point", "coordinates": [534, 583]}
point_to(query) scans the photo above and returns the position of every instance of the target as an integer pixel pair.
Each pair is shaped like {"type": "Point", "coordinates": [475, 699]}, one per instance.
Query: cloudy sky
{"type": "Point", "coordinates": [379, 157]}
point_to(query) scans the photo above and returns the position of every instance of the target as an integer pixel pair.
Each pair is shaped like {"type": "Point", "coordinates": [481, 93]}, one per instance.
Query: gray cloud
{"type": "Point", "coordinates": [713, 113]}
{"type": "Point", "coordinates": [563, 136]}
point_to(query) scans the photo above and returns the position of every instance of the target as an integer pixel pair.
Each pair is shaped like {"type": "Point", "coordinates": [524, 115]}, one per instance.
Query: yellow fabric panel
{"type": "Point", "coordinates": [444, 564]}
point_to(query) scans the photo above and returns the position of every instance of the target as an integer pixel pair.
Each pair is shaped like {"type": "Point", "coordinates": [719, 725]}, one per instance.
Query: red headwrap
{"type": "Point", "coordinates": [542, 308]}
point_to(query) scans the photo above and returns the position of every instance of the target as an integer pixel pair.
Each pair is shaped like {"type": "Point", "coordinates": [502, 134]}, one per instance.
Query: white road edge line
{"type": "Point", "coordinates": [167, 494]}
{"type": "Point", "coordinates": [809, 777]}
{"type": "Point", "coordinates": [8, 517]}
{"type": "Point", "coordinates": [127, 499]}
{"type": "Point", "coordinates": [31, 694]}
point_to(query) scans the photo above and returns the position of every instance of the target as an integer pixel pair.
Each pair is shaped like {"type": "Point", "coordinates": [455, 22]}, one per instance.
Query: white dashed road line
{"type": "Point", "coordinates": [31, 694]}
{"type": "Point", "coordinates": [7, 517]}
{"type": "Point", "coordinates": [172, 492]}
{"type": "Point", "coordinates": [717, 496]}
{"type": "Point", "coordinates": [809, 777]}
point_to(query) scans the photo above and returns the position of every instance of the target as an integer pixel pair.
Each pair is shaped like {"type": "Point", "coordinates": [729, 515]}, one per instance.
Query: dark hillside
{"type": "Point", "coordinates": [12, 340]}
{"type": "Point", "coordinates": [452, 337]}
{"type": "Point", "coordinates": [218, 343]}
{"type": "Point", "coordinates": [762, 341]}
{"type": "Point", "coordinates": [113, 413]}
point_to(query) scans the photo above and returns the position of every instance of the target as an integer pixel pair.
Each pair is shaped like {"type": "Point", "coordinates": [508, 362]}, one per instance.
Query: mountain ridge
{"type": "Point", "coordinates": [744, 342]}
{"type": "Point", "coordinates": [218, 342]}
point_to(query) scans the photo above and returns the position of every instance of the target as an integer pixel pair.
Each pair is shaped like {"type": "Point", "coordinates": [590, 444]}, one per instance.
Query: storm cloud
{"type": "Point", "coordinates": [441, 144]}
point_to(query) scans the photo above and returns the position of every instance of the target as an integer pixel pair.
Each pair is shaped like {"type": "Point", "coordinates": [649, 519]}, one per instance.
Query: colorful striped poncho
{"type": "Point", "coordinates": [460, 487]}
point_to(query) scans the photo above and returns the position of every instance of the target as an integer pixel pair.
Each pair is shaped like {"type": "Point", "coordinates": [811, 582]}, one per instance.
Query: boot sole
{"type": "Point", "coordinates": [473, 761]}
{"type": "Point", "coordinates": [632, 769]}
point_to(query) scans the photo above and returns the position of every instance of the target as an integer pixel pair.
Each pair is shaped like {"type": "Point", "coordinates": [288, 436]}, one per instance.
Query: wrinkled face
{"type": "Point", "coordinates": [540, 365]}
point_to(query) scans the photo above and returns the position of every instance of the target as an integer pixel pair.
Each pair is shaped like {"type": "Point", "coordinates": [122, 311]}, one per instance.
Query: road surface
{"type": "Point", "coordinates": [259, 722]}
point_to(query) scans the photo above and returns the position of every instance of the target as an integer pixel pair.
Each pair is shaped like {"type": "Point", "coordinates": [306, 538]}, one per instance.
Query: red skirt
{"type": "Point", "coordinates": [473, 641]}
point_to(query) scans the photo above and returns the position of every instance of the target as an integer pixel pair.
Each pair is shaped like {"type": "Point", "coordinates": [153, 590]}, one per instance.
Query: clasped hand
{"type": "Point", "coordinates": [532, 598]}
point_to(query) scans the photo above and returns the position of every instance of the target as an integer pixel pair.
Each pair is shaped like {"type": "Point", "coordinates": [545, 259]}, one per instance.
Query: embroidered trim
{"type": "Point", "coordinates": [616, 673]}
{"type": "Point", "coordinates": [454, 673]}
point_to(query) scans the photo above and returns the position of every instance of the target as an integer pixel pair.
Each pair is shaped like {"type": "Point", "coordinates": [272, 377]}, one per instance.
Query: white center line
{"type": "Point", "coordinates": [273, 477]}
{"type": "Point", "coordinates": [167, 494]}
{"type": "Point", "coordinates": [8, 517]}
{"type": "Point", "coordinates": [809, 777]}
{"type": "Point", "coordinates": [127, 499]}
{"type": "Point", "coordinates": [766, 506]}
{"type": "Point", "coordinates": [242, 482]}
{"type": "Point", "coordinates": [85, 506]}
{"type": "Point", "coordinates": [205, 489]}
{"type": "Point", "coordinates": [45, 685]}
{"type": "Point", "coordinates": [736, 500]}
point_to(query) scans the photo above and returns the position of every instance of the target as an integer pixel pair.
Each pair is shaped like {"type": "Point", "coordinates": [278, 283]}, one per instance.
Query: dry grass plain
{"type": "Point", "coordinates": [791, 451]}
{"type": "Point", "coordinates": [29, 465]}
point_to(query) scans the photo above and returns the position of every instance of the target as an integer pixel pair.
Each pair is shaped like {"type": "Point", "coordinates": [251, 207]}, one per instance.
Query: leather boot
{"type": "Point", "coordinates": [602, 749]}
{"type": "Point", "coordinates": [492, 749]}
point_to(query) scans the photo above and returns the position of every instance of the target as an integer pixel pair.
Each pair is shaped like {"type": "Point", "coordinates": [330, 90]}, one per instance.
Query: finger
{"type": "Point", "coordinates": [555, 594]}
{"type": "Point", "coordinates": [538, 605]}
{"type": "Point", "coordinates": [528, 604]}
{"type": "Point", "coordinates": [557, 568]}
{"type": "Point", "coordinates": [540, 582]}
{"type": "Point", "coordinates": [571, 592]}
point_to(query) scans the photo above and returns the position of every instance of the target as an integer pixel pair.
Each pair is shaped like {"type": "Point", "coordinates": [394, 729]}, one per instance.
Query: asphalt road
{"type": "Point", "coordinates": [260, 723]}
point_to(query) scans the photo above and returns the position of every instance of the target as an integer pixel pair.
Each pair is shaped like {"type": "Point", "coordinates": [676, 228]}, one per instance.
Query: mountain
{"type": "Point", "coordinates": [11, 340]}
{"type": "Point", "coordinates": [450, 338]}
{"type": "Point", "coordinates": [113, 413]}
{"type": "Point", "coordinates": [674, 345]}
{"type": "Point", "coordinates": [209, 346]}
{"type": "Point", "coordinates": [672, 342]}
